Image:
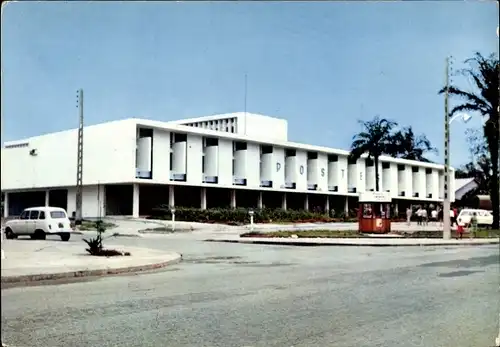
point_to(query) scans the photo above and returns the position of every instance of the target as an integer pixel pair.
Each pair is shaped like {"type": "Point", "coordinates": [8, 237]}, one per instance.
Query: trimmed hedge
{"type": "Point", "coordinates": [241, 216]}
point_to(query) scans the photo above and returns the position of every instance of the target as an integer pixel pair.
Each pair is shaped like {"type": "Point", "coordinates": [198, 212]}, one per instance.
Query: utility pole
{"type": "Point", "coordinates": [79, 164]}
{"type": "Point", "coordinates": [446, 202]}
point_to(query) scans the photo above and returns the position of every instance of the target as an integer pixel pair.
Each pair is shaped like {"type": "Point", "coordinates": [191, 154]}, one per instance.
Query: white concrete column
{"type": "Point", "coordinates": [283, 201]}
{"type": "Point", "coordinates": [203, 198]}
{"type": "Point", "coordinates": [346, 206]}
{"type": "Point", "coordinates": [233, 198]}
{"type": "Point", "coordinates": [6, 205]}
{"type": "Point", "coordinates": [47, 197]}
{"type": "Point", "coordinates": [171, 196]}
{"type": "Point", "coordinates": [306, 203]}
{"type": "Point", "coordinates": [327, 204]}
{"type": "Point", "coordinates": [259, 201]}
{"type": "Point", "coordinates": [135, 201]}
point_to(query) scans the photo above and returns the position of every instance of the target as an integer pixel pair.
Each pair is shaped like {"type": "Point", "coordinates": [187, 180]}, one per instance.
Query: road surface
{"type": "Point", "coordinates": [253, 295]}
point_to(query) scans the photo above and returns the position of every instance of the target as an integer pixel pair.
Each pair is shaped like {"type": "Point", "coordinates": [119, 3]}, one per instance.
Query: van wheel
{"type": "Point", "coordinates": [65, 236]}
{"type": "Point", "coordinates": [9, 234]}
{"type": "Point", "coordinates": [40, 235]}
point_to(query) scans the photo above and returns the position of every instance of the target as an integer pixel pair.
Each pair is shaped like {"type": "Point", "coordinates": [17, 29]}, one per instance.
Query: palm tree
{"type": "Point", "coordinates": [375, 140]}
{"type": "Point", "coordinates": [408, 146]}
{"type": "Point", "coordinates": [483, 72]}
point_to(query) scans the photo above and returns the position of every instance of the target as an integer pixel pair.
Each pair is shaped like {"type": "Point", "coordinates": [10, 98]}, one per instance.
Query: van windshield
{"type": "Point", "coordinates": [57, 214]}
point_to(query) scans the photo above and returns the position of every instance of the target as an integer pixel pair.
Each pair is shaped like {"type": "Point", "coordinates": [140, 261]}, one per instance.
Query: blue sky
{"type": "Point", "coordinates": [321, 65]}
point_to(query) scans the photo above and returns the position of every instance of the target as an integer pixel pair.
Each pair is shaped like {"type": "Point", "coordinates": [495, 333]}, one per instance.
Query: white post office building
{"type": "Point", "coordinates": [231, 160]}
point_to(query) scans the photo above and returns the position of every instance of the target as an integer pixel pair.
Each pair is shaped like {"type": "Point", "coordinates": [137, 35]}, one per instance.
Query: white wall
{"type": "Point", "coordinates": [416, 183]}
{"type": "Point", "coordinates": [370, 177]}
{"type": "Point", "coordinates": [436, 188]}
{"type": "Point", "coordinates": [211, 161]}
{"type": "Point", "coordinates": [322, 172]}
{"type": "Point", "coordinates": [253, 171]}
{"type": "Point", "coordinates": [361, 175]}
{"type": "Point", "coordinates": [194, 159]}
{"type": "Point", "coordinates": [161, 156]}
{"type": "Point", "coordinates": [291, 171]}
{"type": "Point", "coordinates": [278, 176]}
{"type": "Point", "coordinates": [225, 162]}
{"type": "Point", "coordinates": [93, 201]}
{"type": "Point", "coordinates": [452, 185]}
{"type": "Point", "coordinates": [441, 185]}
{"type": "Point", "coordinates": [301, 169]}
{"type": "Point", "coordinates": [108, 156]}
{"type": "Point", "coordinates": [408, 181]}
{"type": "Point", "coordinates": [391, 180]}
{"type": "Point", "coordinates": [380, 177]}
{"type": "Point", "coordinates": [352, 175]}
{"type": "Point", "coordinates": [262, 127]}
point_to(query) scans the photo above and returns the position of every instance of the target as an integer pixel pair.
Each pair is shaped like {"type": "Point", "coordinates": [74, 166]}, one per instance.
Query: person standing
{"type": "Point", "coordinates": [434, 215]}
{"type": "Point", "coordinates": [473, 225]}
{"type": "Point", "coordinates": [424, 217]}
{"type": "Point", "coordinates": [408, 216]}
{"type": "Point", "coordinates": [419, 215]}
{"type": "Point", "coordinates": [452, 216]}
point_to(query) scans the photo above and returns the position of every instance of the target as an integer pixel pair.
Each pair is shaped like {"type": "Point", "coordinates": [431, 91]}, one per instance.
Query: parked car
{"type": "Point", "coordinates": [38, 222]}
{"type": "Point", "coordinates": [484, 217]}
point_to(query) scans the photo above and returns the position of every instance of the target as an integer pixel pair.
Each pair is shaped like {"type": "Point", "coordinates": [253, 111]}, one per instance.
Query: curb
{"type": "Point", "coordinates": [313, 244]}
{"type": "Point", "coordinates": [88, 273]}
{"type": "Point", "coordinates": [112, 235]}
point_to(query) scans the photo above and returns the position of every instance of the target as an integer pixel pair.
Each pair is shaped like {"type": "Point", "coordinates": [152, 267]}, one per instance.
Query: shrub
{"type": "Point", "coordinates": [239, 215]}
{"type": "Point", "coordinates": [95, 244]}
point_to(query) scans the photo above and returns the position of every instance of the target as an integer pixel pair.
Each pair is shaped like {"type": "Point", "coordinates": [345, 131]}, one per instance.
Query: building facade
{"type": "Point", "coordinates": [238, 160]}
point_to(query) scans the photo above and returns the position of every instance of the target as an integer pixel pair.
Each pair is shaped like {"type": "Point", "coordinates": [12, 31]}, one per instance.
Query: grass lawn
{"type": "Point", "coordinates": [480, 234]}
{"type": "Point", "coordinates": [90, 225]}
{"type": "Point", "coordinates": [307, 233]}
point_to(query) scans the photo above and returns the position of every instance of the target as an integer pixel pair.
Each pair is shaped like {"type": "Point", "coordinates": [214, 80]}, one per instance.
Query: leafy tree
{"type": "Point", "coordinates": [479, 166]}
{"type": "Point", "coordinates": [407, 145]}
{"type": "Point", "coordinates": [375, 140]}
{"type": "Point", "coordinates": [483, 72]}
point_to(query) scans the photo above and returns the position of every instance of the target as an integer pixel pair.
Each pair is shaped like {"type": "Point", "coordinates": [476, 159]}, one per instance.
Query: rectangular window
{"type": "Point", "coordinates": [34, 214]}
{"type": "Point", "coordinates": [333, 158]}
{"type": "Point", "coordinates": [42, 215]}
{"type": "Point", "coordinates": [57, 214]}
{"type": "Point", "coordinates": [240, 146]}
{"type": "Point", "coordinates": [266, 149]}
{"type": "Point", "coordinates": [25, 215]}
{"type": "Point", "coordinates": [312, 155]}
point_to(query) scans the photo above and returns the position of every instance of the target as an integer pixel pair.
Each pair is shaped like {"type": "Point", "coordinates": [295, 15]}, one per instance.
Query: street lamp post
{"type": "Point", "coordinates": [447, 177]}
{"type": "Point", "coordinates": [251, 219]}
{"type": "Point", "coordinates": [446, 200]}
{"type": "Point", "coordinates": [173, 218]}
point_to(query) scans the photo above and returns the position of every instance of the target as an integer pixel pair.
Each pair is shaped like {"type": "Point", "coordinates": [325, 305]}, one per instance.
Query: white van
{"type": "Point", "coordinates": [484, 217]}
{"type": "Point", "coordinates": [38, 222]}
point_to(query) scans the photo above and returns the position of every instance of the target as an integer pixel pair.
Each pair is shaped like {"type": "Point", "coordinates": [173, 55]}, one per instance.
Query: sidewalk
{"type": "Point", "coordinates": [359, 242]}
{"type": "Point", "coordinates": [28, 260]}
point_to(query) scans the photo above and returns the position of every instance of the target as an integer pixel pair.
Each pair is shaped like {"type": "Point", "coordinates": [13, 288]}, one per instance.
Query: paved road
{"type": "Point", "coordinates": [251, 295]}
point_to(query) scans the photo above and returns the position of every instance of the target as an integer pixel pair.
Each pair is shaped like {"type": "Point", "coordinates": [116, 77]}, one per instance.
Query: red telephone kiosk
{"type": "Point", "coordinates": [374, 215]}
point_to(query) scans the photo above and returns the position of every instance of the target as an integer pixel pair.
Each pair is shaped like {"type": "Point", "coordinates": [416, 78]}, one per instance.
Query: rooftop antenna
{"type": "Point", "coordinates": [79, 163]}
{"type": "Point", "coordinates": [245, 106]}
